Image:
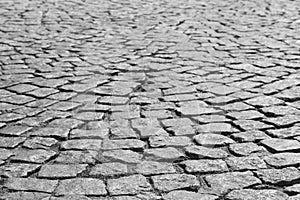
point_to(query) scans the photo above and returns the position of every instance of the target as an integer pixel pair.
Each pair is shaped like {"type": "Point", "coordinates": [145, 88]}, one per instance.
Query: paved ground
{"type": "Point", "coordinates": [149, 100]}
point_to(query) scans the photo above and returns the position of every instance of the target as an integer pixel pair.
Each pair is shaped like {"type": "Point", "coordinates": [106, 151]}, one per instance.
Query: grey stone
{"type": "Point", "coordinates": [169, 182]}
{"type": "Point", "coordinates": [279, 176]}
{"type": "Point", "coordinates": [33, 156]}
{"type": "Point", "coordinates": [205, 166]}
{"type": "Point", "coordinates": [126, 156]}
{"type": "Point", "coordinates": [31, 184]}
{"type": "Point", "coordinates": [245, 163]}
{"type": "Point", "coordinates": [210, 139]}
{"type": "Point", "coordinates": [283, 159]}
{"type": "Point", "coordinates": [167, 153]}
{"type": "Point", "coordinates": [222, 183]}
{"type": "Point", "coordinates": [134, 184]}
{"type": "Point", "coordinates": [187, 195]}
{"type": "Point", "coordinates": [109, 169]}
{"type": "Point", "coordinates": [204, 152]}
{"type": "Point", "coordinates": [153, 168]}
{"type": "Point", "coordinates": [81, 186]}
{"type": "Point", "coordinates": [82, 144]}
{"type": "Point", "coordinates": [250, 194]}
{"type": "Point", "coordinates": [61, 171]}
{"type": "Point", "coordinates": [280, 145]}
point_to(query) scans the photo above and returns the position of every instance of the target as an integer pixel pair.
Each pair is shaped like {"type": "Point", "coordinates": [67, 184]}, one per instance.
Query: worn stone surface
{"type": "Point", "coordinates": [222, 183]}
{"type": "Point", "coordinates": [279, 176]}
{"type": "Point", "coordinates": [104, 97]}
{"type": "Point", "coordinates": [61, 171]}
{"type": "Point", "coordinates": [84, 144]}
{"type": "Point", "coordinates": [77, 157]}
{"type": "Point", "coordinates": [171, 182]}
{"type": "Point", "coordinates": [134, 184]}
{"type": "Point", "coordinates": [280, 145]}
{"type": "Point", "coordinates": [212, 140]}
{"type": "Point", "coordinates": [126, 156]}
{"type": "Point", "coordinates": [81, 186]}
{"type": "Point", "coordinates": [205, 166]}
{"type": "Point", "coordinates": [283, 159]}
{"type": "Point", "coordinates": [31, 184]}
{"type": "Point", "coordinates": [249, 194]}
{"type": "Point", "coordinates": [245, 163]}
{"type": "Point", "coordinates": [33, 156]}
{"type": "Point", "coordinates": [186, 195]}
{"type": "Point", "coordinates": [168, 153]}
{"type": "Point", "coordinates": [152, 168]}
{"type": "Point", "coordinates": [205, 152]}
{"type": "Point", "coordinates": [18, 170]}
{"type": "Point", "coordinates": [247, 148]}
{"type": "Point", "coordinates": [26, 196]}
{"type": "Point", "coordinates": [109, 169]}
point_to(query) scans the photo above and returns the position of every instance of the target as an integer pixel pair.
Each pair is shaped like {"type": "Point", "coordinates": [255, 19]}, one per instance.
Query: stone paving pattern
{"type": "Point", "coordinates": [149, 100]}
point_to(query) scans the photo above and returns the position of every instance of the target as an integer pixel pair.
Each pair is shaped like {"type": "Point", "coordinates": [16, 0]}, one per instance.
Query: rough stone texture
{"type": "Point", "coordinates": [77, 157]}
{"type": "Point", "coordinates": [249, 194]}
{"type": "Point", "coordinates": [109, 169]}
{"type": "Point", "coordinates": [51, 132]}
{"type": "Point", "coordinates": [134, 184]}
{"type": "Point", "coordinates": [168, 153]}
{"type": "Point", "coordinates": [126, 156]}
{"type": "Point", "coordinates": [122, 144]}
{"type": "Point", "coordinates": [293, 189]}
{"type": "Point", "coordinates": [222, 183]}
{"type": "Point", "coordinates": [84, 144]}
{"type": "Point", "coordinates": [26, 196]}
{"type": "Point", "coordinates": [283, 159]}
{"type": "Point", "coordinates": [81, 186]}
{"type": "Point", "coordinates": [280, 145]}
{"type": "Point", "coordinates": [205, 166]}
{"type": "Point", "coordinates": [245, 163]}
{"type": "Point", "coordinates": [279, 176]}
{"type": "Point", "coordinates": [61, 171]}
{"type": "Point", "coordinates": [31, 184]}
{"type": "Point", "coordinates": [212, 140]}
{"type": "Point", "coordinates": [246, 149]}
{"type": "Point", "coordinates": [171, 182]}
{"type": "Point", "coordinates": [186, 195]}
{"type": "Point", "coordinates": [204, 152]}
{"type": "Point", "coordinates": [18, 170]}
{"type": "Point", "coordinates": [201, 93]}
{"type": "Point", "coordinates": [33, 156]}
{"type": "Point", "coordinates": [152, 168]}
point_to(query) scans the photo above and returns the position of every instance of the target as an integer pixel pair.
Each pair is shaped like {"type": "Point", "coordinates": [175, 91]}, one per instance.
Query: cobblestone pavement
{"type": "Point", "coordinates": [149, 100]}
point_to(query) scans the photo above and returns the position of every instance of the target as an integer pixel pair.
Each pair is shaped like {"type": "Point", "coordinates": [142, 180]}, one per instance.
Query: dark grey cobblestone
{"type": "Point", "coordinates": [149, 100]}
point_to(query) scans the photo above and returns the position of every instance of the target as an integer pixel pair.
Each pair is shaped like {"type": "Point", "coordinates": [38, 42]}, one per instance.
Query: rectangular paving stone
{"type": "Point", "coordinates": [169, 182]}
{"type": "Point", "coordinates": [33, 156]}
{"type": "Point", "coordinates": [245, 163]}
{"type": "Point", "coordinates": [31, 184]}
{"type": "Point", "coordinates": [283, 159]}
{"type": "Point", "coordinates": [109, 169]}
{"type": "Point", "coordinates": [18, 170]}
{"type": "Point", "coordinates": [61, 133]}
{"type": "Point", "coordinates": [81, 186]}
{"type": "Point", "coordinates": [154, 168]}
{"type": "Point", "coordinates": [61, 171]}
{"type": "Point", "coordinates": [16, 130]}
{"type": "Point", "coordinates": [100, 133]}
{"type": "Point", "coordinates": [204, 166]}
{"type": "Point", "coordinates": [82, 144]}
{"type": "Point", "coordinates": [134, 184]}
{"type": "Point", "coordinates": [222, 183]}
{"type": "Point", "coordinates": [281, 145]}
{"type": "Point", "coordinates": [11, 142]}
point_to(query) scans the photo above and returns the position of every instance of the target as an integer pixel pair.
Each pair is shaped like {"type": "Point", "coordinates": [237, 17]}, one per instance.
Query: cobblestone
{"type": "Point", "coordinates": [149, 100]}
